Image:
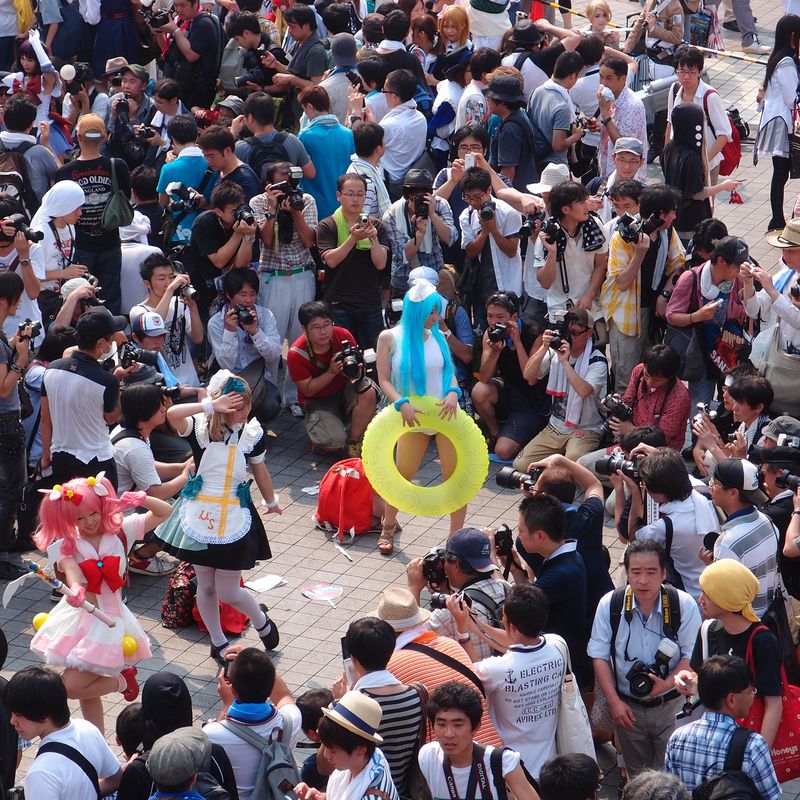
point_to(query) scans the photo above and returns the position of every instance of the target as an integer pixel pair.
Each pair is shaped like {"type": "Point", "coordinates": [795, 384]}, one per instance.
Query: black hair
{"type": "Point", "coordinates": [372, 30]}
{"type": "Point", "coordinates": [688, 56]}
{"type": "Point", "coordinates": [55, 342]}
{"type": "Point", "coordinates": [331, 734]}
{"type": "Point", "coordinates": [662, 361]}
{"type": "Point", "coordinates": [278, 168]}
{"type": "Point", "coordinates": [708, 233]}
{"type": "Point", "coordinates": [483, 61]}
{"type": "Point", "coordinates": [526, 608]}
{"type": "Point", "coordinates": [590, 48]}
{"type": "Point", "coordinates": [386, 7]}
{"type": "Point", "coordinates": [244, 21]}
{"type": "Point", "coordinates": [475, 131]}
{"type": "Point", "coordinates": [753, 390]}
{"type": "Point", "coordinates": [38, 693]}
{"type": "Point", "coordinates": [310, 705]}
{"type": "Point", "coordinates": [167, 89]}
{"type": "Point", "coordinates": [252, 673]}
{"type": "Point", "coordinates": [227, 193]}
{"type": "Point", "coordinates": [643, 434]}
{"type": "Point", "coordinates": [542, 512]}
{"type": "Point", "coordinates": [19, 113]}
{"type": "Point", "coordinates": [720, 676]}
{"type": "Point", "coordinates": [301, 15]}
{"type": "Point", "coordinates": [371, 641]}
{"type": "Point", "coordinates": [237, 279]}
{"type": "Point", "coordinates": [337, 18]}
{"type": "Point", "coordinates": [565, 194]}
{"type": "Point", "coordinates": [182, 129]}
{"type": "Point", "coordinates": [367, 137]}
{"type": "Point", "coordinates": [567, 64]}
{"type": "Point", "coordinates": [152, 263]}
{"type": "Point", "coordinates": [403, 83]}
{"type": "Point", "coordinates": [372, 70]}
{"type": "Point", "coordinates": [573, 776]}
{"type": "Point", "coordinates": [312, 309]}
{"type": "Point", "coordinates": [261, 107]}
{"type": "Point", "coordinates": [507, 300]}
{"type": "Point", "coordinates": [396, 25]}
{"type": "Point", "coordinates": [476, 178]}
{"type": "Point", "coordinates": [640, 546]}
{"type": "Point", "coordinates": [657, 198]}
{"type": "Point", "coordinates": [139, 401]}
{"type": "Point", "coordinates": [617, 64]}
{"type": "Point", "coordinates": [10, 205]}
{"type": "Point", "coordinates": [787, 29]}
{"type": "Point", "coordinates": [129, 728]}
{"type": "Point", "coordinates": [350, 176]}
{"type": "Point", "coordinates": [11, 286]}
{"type": "Point", "coordinates": [664, 472]}
{"type": "Point", "coordinates": [217, 137]}
{"type": "Point", "coordinates": [629, 188]}
{"type": "Point", "coordinates": [144, 181]}
{"type": "Point", "coordinates": [457, 696]}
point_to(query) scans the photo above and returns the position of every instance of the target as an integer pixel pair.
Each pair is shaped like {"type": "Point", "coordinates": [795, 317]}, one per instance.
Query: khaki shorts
{"type": "Point", "coordinates": [327, 417]}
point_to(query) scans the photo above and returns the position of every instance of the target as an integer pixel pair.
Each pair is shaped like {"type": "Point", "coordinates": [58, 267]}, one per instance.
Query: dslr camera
{"type": "Point", "coordinates": [640, 675]}
{"type": "Point", "coordinates": [788, 481]}
{"type": "Point", "coordinates": [36, 327]}
{"type": "Point", "coordinates": [123, 108]}
{"type": "Point", "coordinates": [257, 75]}
{"type": "Point", "coordinates": [487, 210]}
{"type": "Point", "coordinates": [433, 567]}
{"type": "Point", "coordinates": [185, 200]}
{"type": "Point", "coordinates": [244, 213]}
{"type": "Point", "coordinates": [290, 190]}
{"type": "Point", "coordinates": [20, 223]}
{"type": "Point", "coordinates": [510, 478]}
{"type": "Point", "coordinates": [620, 411]}
{"type": "Point", "coordinates": [497, 333]}
{"type": "Point", "coordinates": [155, 19]}
{"type": "Point", "coordinates": [529, 222]}
{"type": "Point", "coordinates": [703, 410]}
{"type": "Point", "coordinates": [551, 229]}
{"type": "Point", "coordinates": [74, 76]}
{"type": "Point", "coordinates": [503, 541]}
{"type": "Point", "coordinates": [610, 465]}
{"type": "Point", "coordinates": [630, 227]}
{"type": "Point", "coordinates": [244, 315]}
{"type": "Point", "coordinates": [562, 333]}
{"type": "Point", "coordinates": [421, 210]}
{"type": "Point", "coordinates": [439, 599]}
{"type": "Point", "coordinates": [130, 355]}
{"type": "Point", "coordinates": [186, 292]}
{"type": "Point", "coordinates": [352, 362]}
{"type": "Point", "coordinates": [145, 132]}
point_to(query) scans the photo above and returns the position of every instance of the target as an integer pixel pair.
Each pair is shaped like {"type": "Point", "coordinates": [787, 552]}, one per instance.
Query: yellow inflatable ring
{"type": "Point", "coordinates": [472, 460]}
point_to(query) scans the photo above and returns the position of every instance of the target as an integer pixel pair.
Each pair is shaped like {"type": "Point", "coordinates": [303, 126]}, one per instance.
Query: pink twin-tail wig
{"type": "Point", "coordinates": [58, 519]}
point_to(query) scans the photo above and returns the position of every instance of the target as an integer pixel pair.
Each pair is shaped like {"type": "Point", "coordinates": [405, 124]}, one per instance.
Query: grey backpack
{"type": "Point", "coordinates": [277, 773]}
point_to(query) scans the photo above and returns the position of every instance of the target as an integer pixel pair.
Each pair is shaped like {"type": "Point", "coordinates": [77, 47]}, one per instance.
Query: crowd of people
{"type": "Point", "coordinates": [212, 213]}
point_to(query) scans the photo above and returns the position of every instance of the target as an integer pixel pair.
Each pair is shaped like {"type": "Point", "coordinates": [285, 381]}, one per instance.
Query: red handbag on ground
{"type": "Point", "coordinates": [786, 747]}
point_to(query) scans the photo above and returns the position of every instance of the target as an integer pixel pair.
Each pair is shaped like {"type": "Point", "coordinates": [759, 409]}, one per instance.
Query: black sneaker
{"type": "Point", "coordinates": [10, 572]}
{"type": "Point", "coordinates": [55, 596]}
{"type": "Point", "coordinates": [271, 638]}
{"type": "Point", "coordinates": [217, 653]}
{"type": "Point", "coordinates": [733, 25]}
{"type": "Point", "coordinates": [23, 544]}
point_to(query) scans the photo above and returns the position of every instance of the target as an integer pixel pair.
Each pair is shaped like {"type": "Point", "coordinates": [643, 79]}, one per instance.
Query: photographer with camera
{"type": "Point", "coordinates": [577, 377]}
{"type": "Point", "coordinates": [217, 144]}
{"type": "Point", "coordinates": [463, 567]}
{"type": "Point", "coordinates": [245, 28]}
{"type": "Point", "coordinates": [512, 409]}
{"type": "Point", "coordinates": [627, 158]}
{"type": "Point", "coordinates": [419, 224]}
{"type": "Point", "coordinates": [130, 109]}
{"type": "Point", "coordinates": [355, 249]}
{"type": "Point", "coordinates": [81, 95]}
{"type": "Point", "coordinates": [643, 635]}
{"type": "Point", "coordinates": [490, 238]}
{"type": "Point", "coordinates": [330, 397]}
{"type": "Point", "coordinates": [155, 133]}
{"type": "Point", "coordinates": [244, 338]}
{"type": "Point", "coordinates": [171, 295]}
{"type": "Point", "coordinates": [645, 257]}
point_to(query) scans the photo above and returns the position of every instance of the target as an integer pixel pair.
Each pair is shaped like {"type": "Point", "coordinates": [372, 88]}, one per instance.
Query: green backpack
{"type": "Point", "coordinates": [118, 211]}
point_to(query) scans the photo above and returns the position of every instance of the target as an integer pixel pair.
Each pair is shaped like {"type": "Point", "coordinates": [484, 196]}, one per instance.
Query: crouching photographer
{"type": "Point", "coordinates": [328, 369]}
{"type": "Point", "coordinates": [244, 338]}
{"type": "Point", "coordinates": [463, 566]}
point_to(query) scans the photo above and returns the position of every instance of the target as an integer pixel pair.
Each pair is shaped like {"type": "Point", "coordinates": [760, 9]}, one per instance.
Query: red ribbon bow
{"type": "Point", "coordinates": [736, 198]}
{"type": "Point", "coordinates": [32, 89]}
{"type": "Point", "coordinates": [102, 569]}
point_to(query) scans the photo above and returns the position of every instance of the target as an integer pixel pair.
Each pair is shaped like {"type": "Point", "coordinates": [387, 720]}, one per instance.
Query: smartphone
{"type": "Point", "coordinates": [469, 160]}
{"type": "Point", "coordinates": [348, 664]}
{"type": "Point", "coordinates": [226, 667]}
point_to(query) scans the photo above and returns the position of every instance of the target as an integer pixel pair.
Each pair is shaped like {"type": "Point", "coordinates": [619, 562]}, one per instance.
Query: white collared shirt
{"type": "Point", "coordinates": [405, 131]}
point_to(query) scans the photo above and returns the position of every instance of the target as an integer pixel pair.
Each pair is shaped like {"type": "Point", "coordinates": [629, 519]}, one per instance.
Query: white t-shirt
{"type": "Point", "coordinates": [244, 758]}
{"type": "Point", "coordinates": [55, 777]}
{"type": "Point", "coordinates": [431, 763]}
{"type": "Point", "coordinates": [136, 465]}
{"type": "Point", "coordinates": [28, 308]}
{"type": "Point", "coordinates": [523, 688]}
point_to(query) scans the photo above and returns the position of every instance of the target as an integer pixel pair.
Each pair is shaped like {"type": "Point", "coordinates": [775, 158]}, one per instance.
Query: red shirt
{"type": "Point", "coordinates": [301, 367]}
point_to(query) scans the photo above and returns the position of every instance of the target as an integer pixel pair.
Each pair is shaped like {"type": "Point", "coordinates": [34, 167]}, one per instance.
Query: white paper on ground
{"type": "Point", "coordinates": [266, 582]}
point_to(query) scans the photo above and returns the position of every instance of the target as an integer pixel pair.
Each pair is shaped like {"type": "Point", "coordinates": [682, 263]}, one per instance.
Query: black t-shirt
{"type": "Point", "coordinates": [197, 79]}
{"type": "Point", "coordinates": [780, 512]}
{"type": "Point", "coordinates": [208, 235]}
{"type": "Point", "coordinates": [94, 177]}
{"type": "Point", "coordinates": [509, 369]}
{"type": "Point", "coordinates": [402, 59]}
{"type": "Point", "coordinates": [766, 655]}
{"type": "Point", "coordinates": [647, 293]}
{"type": "Point", "coordinates": [355, 281]}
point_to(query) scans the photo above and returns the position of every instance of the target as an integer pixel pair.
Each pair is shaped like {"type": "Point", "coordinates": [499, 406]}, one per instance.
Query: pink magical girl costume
{"type": "Point", "coordinates": [72, 637]}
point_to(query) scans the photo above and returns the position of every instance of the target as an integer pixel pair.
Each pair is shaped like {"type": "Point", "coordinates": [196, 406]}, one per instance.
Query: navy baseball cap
{"type": "Point", "coordinates": [472, 546]}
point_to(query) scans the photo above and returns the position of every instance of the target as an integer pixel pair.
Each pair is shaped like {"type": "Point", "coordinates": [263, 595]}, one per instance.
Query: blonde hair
{"type": "Point", "coordinates": [597, 5]}
{"type": "Point", "coordinates": [457, 16]}
{"type": "Point", "coordinates": [216, 420]}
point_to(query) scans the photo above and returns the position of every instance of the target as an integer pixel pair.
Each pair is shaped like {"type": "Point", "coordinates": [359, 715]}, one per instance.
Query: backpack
{"type": "Point", "coordinates": [14, 180]}
{"type": "Point", "coordinates": [732, 783]}
{"type": "Point", "coordinates": [424, 101]}
{"type": "Point", "coordinates": [732, 151]}
{"type": "Point", "coordinates": [344, 502]}
{"type": "Point", "coordinates": [264, 154]}
{"type": "Point", "coordinates": [231, 65]}
{"type": "Point", "coordinates": [277, 773]}
{"type": "Point", "coordinates": [118, 211]}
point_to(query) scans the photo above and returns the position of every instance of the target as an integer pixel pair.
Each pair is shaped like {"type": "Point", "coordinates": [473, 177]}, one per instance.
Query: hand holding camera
{"type": "Point", "coordinates": [240, 316]}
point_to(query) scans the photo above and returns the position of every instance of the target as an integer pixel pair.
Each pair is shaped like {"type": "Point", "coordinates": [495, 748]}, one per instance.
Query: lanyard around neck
{"type": "Point", "coordinates": [477, 777]}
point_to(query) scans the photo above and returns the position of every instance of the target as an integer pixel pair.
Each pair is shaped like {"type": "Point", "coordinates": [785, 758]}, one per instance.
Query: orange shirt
{"type": "Point", "coordinates": [409, 666]}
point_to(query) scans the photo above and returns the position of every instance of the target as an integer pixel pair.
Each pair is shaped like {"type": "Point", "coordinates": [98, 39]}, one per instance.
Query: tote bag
{"type": "Point", "coordinates": [574, 730]}
{"type": "Point", "coordinates": [118, 211]}
{"type": "Point", "coordinates": [782, 370]}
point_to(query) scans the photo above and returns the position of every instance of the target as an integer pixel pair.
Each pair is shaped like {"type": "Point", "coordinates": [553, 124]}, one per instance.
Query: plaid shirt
{"type": "Point", "coordinates": [697, 750]}
{"type": "Point", "coordinates": [284, 256]}
{"type": "Point", "coordinates": [623, 306]}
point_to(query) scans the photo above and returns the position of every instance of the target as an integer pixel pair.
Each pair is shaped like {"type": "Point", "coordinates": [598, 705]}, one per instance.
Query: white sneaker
{"type": "Point", "coordinates": [156, 567]}
{"type": "Point", "coordinates": [755, 48]}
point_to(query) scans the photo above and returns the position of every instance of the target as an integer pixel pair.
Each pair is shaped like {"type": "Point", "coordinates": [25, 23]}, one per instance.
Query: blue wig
{"type": "Point", "coordinates": [412, 347]}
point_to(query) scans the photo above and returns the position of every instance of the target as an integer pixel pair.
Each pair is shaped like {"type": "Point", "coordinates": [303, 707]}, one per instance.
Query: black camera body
{"type": "Point", "coordinates": [186, 292]}
{"type": "Point", "coordinates": [185, 201]}
{"type": "Point", "coordinates": [503, 541]}
{"type": "Point", "coordinates": [36, 327]}
{"type": "Point", "coordinates": [20, 223]}
{"type": "Point", "coordinates": [788, 481]}
{"type": "Point", "coordinates": [610, 465]}
{"type": "Point", "coordinates": [257, 75]}
{"type": "Point", "coordinates": [156, 19]}
{"type": "Point", "coordinates": [244, 213]}
{"type": "Point", "coordinates": [497, 333]}
{"type": "Point", "coordinates": [640, 677]}
{"type": "Point", "coordinates": [551, 229]}
{"type": "Point", "coordinates": [290, 190]}
{"type": "Point", "coordinates": [620, 411]}
{"type": "Point", "coordinates": [123, 107]}
{"type": "Point", "coordinates": [145, 132]}
{"type": "Point", "coordinates": [352, 362]}
{"type": "Point", "coordinates": [530, 222]}
{"type": "Point", "coordinates": [433, 567]}
{"type": "Point", "coordinates": [421, 210]}
{"type": "Point", "coordinates": [510, 478]}
{"type": "Point", "coordinates": [244, 315]}
{"type": "Point", "coordinates": [630, 227]}
{"type": "Point", "coordinates": [439, 600]}
{"type": "Point", "coordinates": [82, 73]}
{"type": "Point", "coordinates": [130, 355]}
{"type": "Point", "coordinates": [487, 210]}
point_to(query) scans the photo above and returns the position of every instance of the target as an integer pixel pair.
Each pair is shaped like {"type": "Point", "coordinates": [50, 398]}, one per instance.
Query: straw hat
{"type": "Point", "coordinates": [359, 714]}
{"type": "Point", "coordinates": [788, 237]}
{"type": "Point", "coordinates": [398, 607]}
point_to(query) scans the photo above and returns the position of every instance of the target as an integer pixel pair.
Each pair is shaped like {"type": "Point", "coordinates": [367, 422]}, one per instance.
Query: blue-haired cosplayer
{"type": "Point", "coordinates": [214, 525]}
{"type": "Point", "coordinates": [414, 359]}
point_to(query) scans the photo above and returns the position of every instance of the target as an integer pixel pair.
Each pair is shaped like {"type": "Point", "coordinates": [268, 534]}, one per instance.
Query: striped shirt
{"type": "Point", "coordinates": [400, 724]}
{"type": "Point", "coordinates": [749, 537]}
{"type": "Point", "coordinates": [409, 665]}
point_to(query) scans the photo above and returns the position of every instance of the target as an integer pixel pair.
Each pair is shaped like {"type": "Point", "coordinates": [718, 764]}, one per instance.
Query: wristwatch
{"type": "Point", "coordinates": [268, 215]}
{"type": "Point", "coordinates": [605, 120]}
{"type": "Point", "coordinates": [24, 262]}
{"type": "Point", "coordinates": [16, 368]}
{"type": "Point", "coordinates": [447, 333]}
{"type": "Point", "coordinates": [666, 295]}
{"type": "Point", "coordinates": [463, 637]}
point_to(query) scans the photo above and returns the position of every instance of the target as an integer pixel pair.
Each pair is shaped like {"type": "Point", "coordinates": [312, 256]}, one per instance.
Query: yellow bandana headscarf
{"type": "Point", "coordinates": [731, 586]}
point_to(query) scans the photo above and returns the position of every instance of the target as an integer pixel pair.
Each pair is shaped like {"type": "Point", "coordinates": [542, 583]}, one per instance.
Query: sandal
{"type": "Point", "coordinates": [386, 539]}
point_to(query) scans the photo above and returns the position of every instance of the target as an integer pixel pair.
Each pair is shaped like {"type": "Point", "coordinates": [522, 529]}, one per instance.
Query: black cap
{"type": "Point", "coordinates": [418, 179]}
{"type": "Point", "coordinates": [731, 249]}
{"type": "Point", "coordinates": [526, 33]}
{"type": "Point", "coordinates": [99, 323]}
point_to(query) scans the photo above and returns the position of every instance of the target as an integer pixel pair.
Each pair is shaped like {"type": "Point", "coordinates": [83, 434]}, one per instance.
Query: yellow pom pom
{"type": "Point", "coordinates": [39, 620]}
{"type": "Point", "coordinates": [57, 487]}
{"type": "Point", "coordinates": [129, 645]}
{"type": "Point", "coordinates": [91, 481]}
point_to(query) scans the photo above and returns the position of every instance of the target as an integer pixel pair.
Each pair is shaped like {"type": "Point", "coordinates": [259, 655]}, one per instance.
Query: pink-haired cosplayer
{"type": "Point", "coordinates": [87, 538]}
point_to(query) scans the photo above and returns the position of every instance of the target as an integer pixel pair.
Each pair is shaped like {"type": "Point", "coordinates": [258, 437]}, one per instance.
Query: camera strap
{"type": "Point", "coordinates": [66, 259]}
{"type": "Point", "coordinates": [477, 777]}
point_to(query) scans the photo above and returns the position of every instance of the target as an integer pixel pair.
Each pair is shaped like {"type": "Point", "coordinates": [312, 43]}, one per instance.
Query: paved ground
{"type": "Point", "coordinates": [309, 654]}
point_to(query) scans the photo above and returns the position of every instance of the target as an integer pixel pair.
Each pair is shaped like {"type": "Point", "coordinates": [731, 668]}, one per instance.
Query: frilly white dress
{"type": "Point", "coordinates": [72, 637]}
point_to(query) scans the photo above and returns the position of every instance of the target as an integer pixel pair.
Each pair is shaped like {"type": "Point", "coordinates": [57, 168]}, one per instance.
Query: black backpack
{"type": "Point", "coordinates": [732, 783]}
{"type": "Point", "coordinates": [264, 154]}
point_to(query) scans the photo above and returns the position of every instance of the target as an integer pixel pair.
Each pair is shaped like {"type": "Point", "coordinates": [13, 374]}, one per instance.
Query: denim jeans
{"type": "Point", "coordinates": [106, 266]}
{"type": "Point", "coordinates": [13, 474]}
{"type": "Point", "coordinates": [364, 323]}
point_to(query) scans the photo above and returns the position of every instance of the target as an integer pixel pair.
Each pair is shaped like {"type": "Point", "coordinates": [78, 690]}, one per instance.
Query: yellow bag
{"type": "Point", "coordinates": [25, 17]}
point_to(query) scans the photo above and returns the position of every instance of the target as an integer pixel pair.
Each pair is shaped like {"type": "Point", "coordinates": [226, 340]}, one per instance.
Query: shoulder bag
{"type": "Point", "coordinates": [782, 370]}
{"type": "Point", "coordinates": [686, 341]}
{"type": "Point", "coordinates": [118, 211]}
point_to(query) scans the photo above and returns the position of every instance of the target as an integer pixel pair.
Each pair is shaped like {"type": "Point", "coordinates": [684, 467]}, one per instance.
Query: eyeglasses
{"type": "Point", "coordinates": [387, 91]}
{"type": "Point", "coordinates": [450, 558]}
{"type": "Point", "coordinates": [629, 162]}
{"type": "Point", "coordinates": [470, 148]}
{"type": "Point", "coordinates": [323, 326]}
{"type": "Point", "coordinates": [687, 71]}
{"type": "Point", "coordinates": [577, 330]}
{"type": "Point", "coordinates": [473, 198]}
{"type": "Point", "coordinates": [354, 195]}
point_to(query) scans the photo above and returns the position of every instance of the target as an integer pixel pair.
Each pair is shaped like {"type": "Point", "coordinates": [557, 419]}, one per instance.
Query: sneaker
{"type": "Point", "coordinates": [10, 572]}
{"type": "Point", "coordinates": [23, 544]}
{"type": "Point", "coordinates": [55, 596]}
{"type": "Point", "coordinates": [755, 48]}
{"type": "Point", "coordinates": [296, 410]}
{"type": "Point", "coordinates": [131, 691]}
{"type": "Point", "coordinates": [271, 638]}
{"type": "Point", "coordinates": [733, 25]}
{"type": "Point", "coordinates": [156, 567]}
